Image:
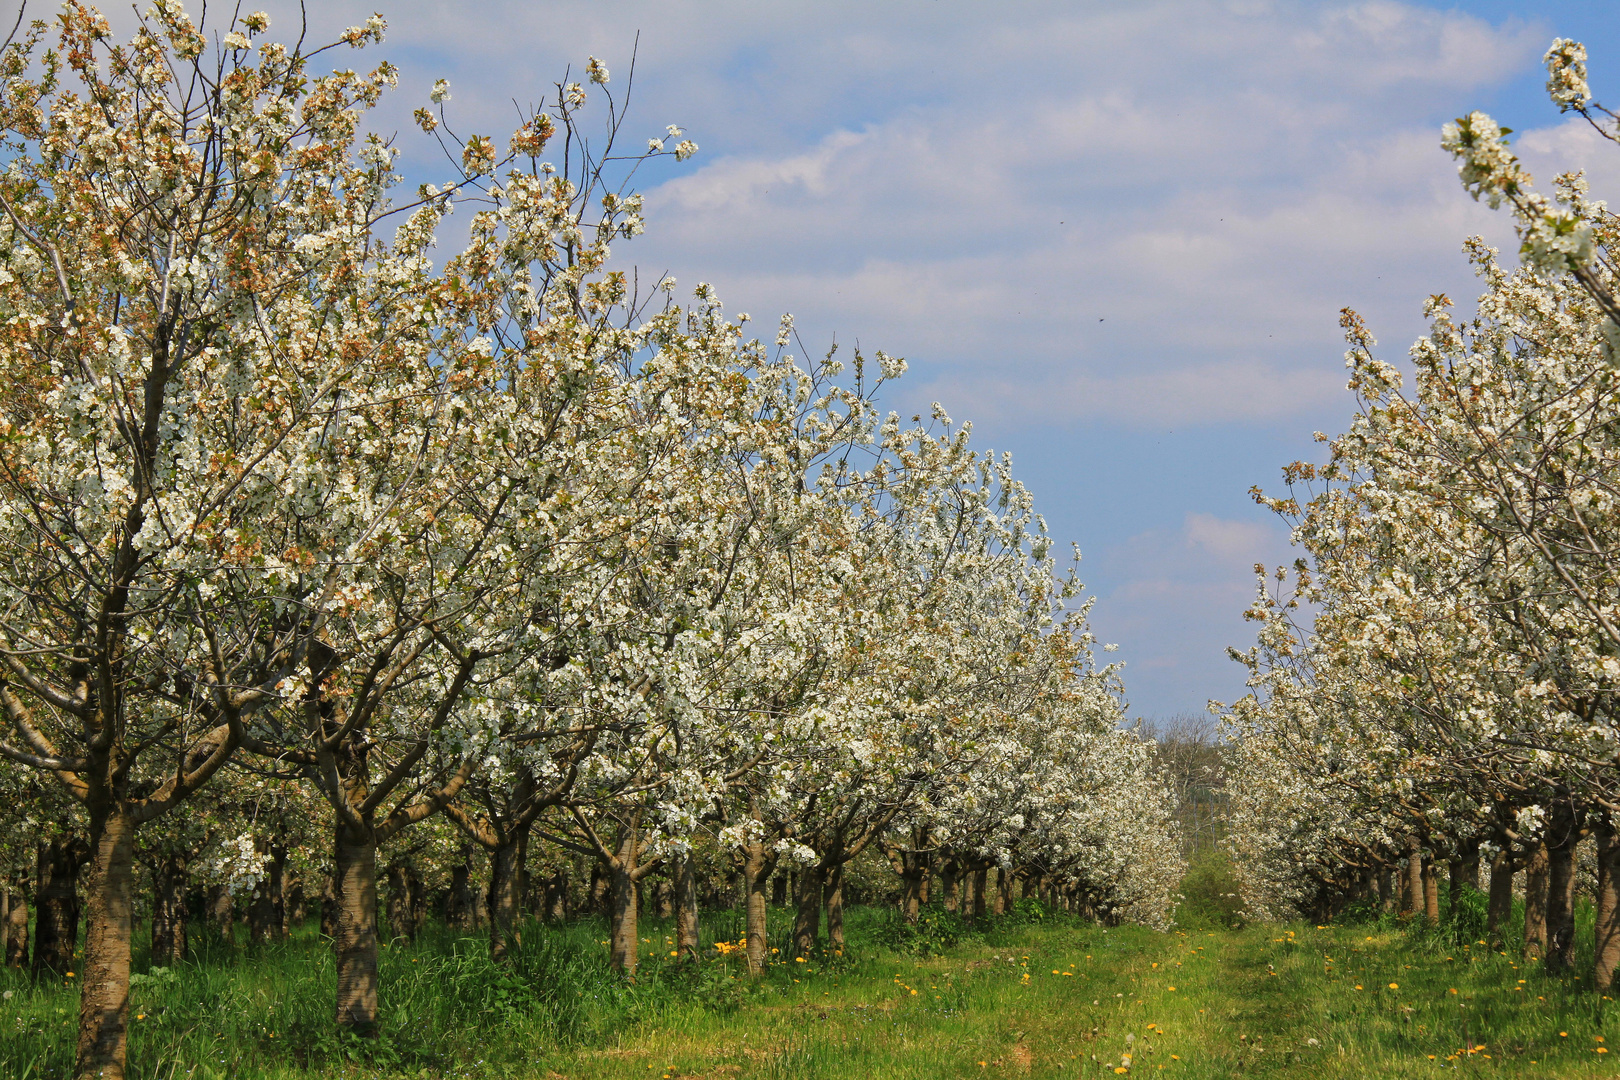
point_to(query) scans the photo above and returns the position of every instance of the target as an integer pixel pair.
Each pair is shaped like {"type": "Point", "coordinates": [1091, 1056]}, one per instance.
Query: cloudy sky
{"type": "Point", "coordinates": [1114, 236]}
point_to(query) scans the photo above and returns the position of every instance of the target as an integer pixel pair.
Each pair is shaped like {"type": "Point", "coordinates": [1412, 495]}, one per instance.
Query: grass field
{"type": "Point", "coordinates": [1044, 998]}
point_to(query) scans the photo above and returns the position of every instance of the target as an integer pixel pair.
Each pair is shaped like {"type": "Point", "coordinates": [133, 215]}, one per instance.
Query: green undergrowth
{"type": "Point", "coordinates": [1036, 994]}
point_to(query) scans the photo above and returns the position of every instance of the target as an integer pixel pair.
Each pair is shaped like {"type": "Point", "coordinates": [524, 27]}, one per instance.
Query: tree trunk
{"type": "Point", "coordinates": [15, 931]}
{"type": "Point", "coordinates": [1431, 892]}
{"type": "Point", "coordinates": [1606, 928]}
{"type": "Point", "coordinates": [950, 885]}
{"type": "Point", "coordinates": [1561, 901]}
{"type": "Point", "coordinates": [266, 911]}
{"type": "Point", "coordinates": [779, 889]}
{"type": "Point", "coordinates": [462, 905]}
{"type": "Point", "coordinates": [329, 907]}
{"type": "Point", "coordinates": [557, 898]}
{"type": "Point", "coordinates": [835, 909]}
{"type": "Point", "coordinates": [401, 921]}
{"type": "Point", "coordinates": [169, 911]}
{"type": "Point", "coordinates": [1535, 905]}
{"type": "Point", "coordinates": [807, 919]}
{"type": "Point", "coordinates": [913, 871]}
{"type": "Point", "coordinates": [354, 945]}
{"type": "Point", "coordinates": [981, 880]}
{"type": "Point", "coordinates": [757, 867]}
{"type": "Point", "coordinates": [1004, 890]}
{"type": "Point", "coordinates": [296, 903]}
{"type": "Point", "coordinates": [222, 911]}
{"type": "Point", "coordinates": [1500, 905]}
{"type": "Point", "coordinates": [599, 890]}
{"type": "Point", "coordinates": [1386, 890]}
{"type": "Point", "coordinates": [56, 905]}
{"type": "Point", "coordinates": [624, 946]}
{"type": "Point", "coordinates": [1412, 883]}
{"type": "Point", "coordinates": [104, 980]}
{"type": "Point", "coordinates": [1464, 870]}
{"type": "Point", "coordinates": [686, 907]}
{"type": "Point", "coordinates": [504, 933]}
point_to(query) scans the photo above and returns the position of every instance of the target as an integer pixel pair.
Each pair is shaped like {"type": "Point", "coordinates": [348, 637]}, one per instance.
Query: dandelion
{"type": "Point", "coordinates": [1394, 986]}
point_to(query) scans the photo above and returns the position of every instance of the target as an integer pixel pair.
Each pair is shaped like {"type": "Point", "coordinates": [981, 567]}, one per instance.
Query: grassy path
{"type": "Point", "coordinates": [1296, 1002]}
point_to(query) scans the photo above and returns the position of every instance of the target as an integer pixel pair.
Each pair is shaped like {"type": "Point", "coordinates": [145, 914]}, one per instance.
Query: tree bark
{"type": "Point", "coordinates": [169, 911]}
{"type": "Point", "coordinates": [222, 911]}
{"type": "Point", "coordinates": [354, 944]}
{"type": "Point", "coordinates": [1004, 890]}
{"type": "Point", "coordinates": [950, 885]}
{"type": "Point", "coordinates": [557, 897]}
{"type": "Point", "coordinates": [1386, 890]}
{"type": "Point", "coordinates": [1464, 870]}
{"type": "Point", "coordinates": [686, 907]}
{"type": "Point", "coordinates": [1431, 892]}
{"type": "Point", "coordinates": [835, 909]}
{"type": "Point", "coordinates": [401, 917]}
{"type": "Point", "coordinates": [807, 919]}
{"type": "Point", "coordinates": [504, 933]}
{"type": "Point", "coordinates": [56, 905]}
{"type": "Point", "coordinates": [981, 880]}
{"type": "Point", "coordinates": [266, 914]}
{"type": "Point", "coordinates": [104, 982]}
{"type": "Point", "coordinates": [757, 867]}
{"type": "Point", "coordinates": [1561, 901]}
{"type": "Point", "coordinates": [15, 931]}
{"type": "Point", "coordinates": [1535, 904]}
{"type": "Point", "coordinates": [1412, 883]}
{"type": "Point", "coordinates": [462, 906]}
{"type": "Point", "coordinates": [296, 904]}
{"type": "Point", "coordinates": [912, 867]}
{"type": "Point", "coordinates": [329, 907]}
{"type": "Point", "coordinates": [1500, 904]}
{"type": "Point", "coordinates": [625, 951]}
{"type": "Point", "coordinates": [600, 885]}
{"type": "Point", "coordinates": [1606, 928]}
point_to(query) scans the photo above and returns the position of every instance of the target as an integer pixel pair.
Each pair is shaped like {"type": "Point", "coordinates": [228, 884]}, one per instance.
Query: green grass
{"type": "Point", "coordinates": [1204, 1003]}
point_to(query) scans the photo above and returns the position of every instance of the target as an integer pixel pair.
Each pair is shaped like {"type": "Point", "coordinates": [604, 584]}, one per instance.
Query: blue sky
{"type": "Point", "coordinates": [1113, 236]}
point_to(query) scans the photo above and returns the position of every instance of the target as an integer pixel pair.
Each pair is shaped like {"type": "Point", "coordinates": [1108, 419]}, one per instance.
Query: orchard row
{"type": "Point", "coordinates": [1438, 680]}
{"type": "Point", "coordinates": [314, 540]}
